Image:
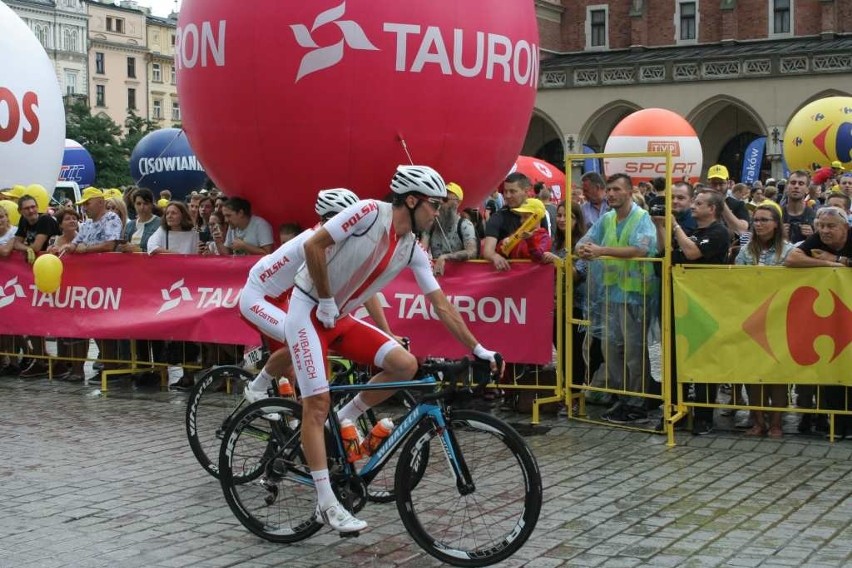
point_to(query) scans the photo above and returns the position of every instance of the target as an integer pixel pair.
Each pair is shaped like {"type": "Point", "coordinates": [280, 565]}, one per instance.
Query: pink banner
{"type": "Point", "coordinates": [120, 296]}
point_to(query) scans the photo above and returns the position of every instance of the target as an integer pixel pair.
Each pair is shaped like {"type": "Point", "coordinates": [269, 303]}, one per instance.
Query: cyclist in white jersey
{"type": "Point", "coordinates": [264, 297]}
{"type": "Point", "coordinates": [352, 257]}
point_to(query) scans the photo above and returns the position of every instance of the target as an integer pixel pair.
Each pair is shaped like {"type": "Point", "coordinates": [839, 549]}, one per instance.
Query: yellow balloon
{"type": "Point", "coordinates": [47, 271]}
{"type": "Point", "coordinates": [41, 196]}
{"type": "Point", "coordinates": [12, 211]}
{"type": "Point", "coordinates": [820, 133]}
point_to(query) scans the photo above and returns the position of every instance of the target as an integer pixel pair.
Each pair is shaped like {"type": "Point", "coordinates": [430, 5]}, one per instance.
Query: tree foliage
{"type": "Point", "coordinates": [103, 138]}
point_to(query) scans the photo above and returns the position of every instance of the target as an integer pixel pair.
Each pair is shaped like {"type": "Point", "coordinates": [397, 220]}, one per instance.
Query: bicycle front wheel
{"type": "Point", "coordinates": [264, 474]}
{"type": "Point", "coordinates": [483, 526]}
{"type": "Point", "coordinates": [213, 402]}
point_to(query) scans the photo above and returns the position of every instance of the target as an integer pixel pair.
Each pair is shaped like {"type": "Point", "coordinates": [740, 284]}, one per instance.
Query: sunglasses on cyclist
{"type": "Point", "coordinates": [433, 201]}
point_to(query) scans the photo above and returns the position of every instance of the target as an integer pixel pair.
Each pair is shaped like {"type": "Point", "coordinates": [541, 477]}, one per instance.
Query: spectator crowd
{"type": "Point", "coordinates": [609, 229]}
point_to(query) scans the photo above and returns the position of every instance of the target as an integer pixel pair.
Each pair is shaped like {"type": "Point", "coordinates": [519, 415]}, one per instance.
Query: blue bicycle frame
{"type": "Point", "coordinates": [423, 410]}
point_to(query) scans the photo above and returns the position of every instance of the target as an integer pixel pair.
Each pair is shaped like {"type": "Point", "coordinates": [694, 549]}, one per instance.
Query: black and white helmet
{"type": "Point", "coordinates": [333, 201]}
{"type": "Point", "coordinates": [419, 179]}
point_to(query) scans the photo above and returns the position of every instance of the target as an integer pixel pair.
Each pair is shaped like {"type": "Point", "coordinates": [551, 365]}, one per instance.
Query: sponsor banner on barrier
{"type": "Point", "coordinates": [175, 297]}
{"type": "Point", "coordinates": [763, 325]}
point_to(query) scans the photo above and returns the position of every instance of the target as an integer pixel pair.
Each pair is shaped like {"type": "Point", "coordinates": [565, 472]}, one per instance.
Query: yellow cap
{"type": "Point", "coordinates": [456, 190]}
{"type": "Point", "coordinates": [717, 172]}
{"type": "Point", "coordinates": [772, 204]}
{"type": "Point", "coordinates": [90, 193]}
{"type": "Point", "coordinates": [112, 192]}
{"type": "Point", "coordinates": [162, 203]}
{"type": "Point", "coordinates": [533, 206]}
{"type": "Point", "coordinates": [837, 165]}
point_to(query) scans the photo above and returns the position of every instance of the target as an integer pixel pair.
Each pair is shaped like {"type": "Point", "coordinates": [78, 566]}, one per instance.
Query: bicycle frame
{"type": "Point", "coordinates": [432, 410]}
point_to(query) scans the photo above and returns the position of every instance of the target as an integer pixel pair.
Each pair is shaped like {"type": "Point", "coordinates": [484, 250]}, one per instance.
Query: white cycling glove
{"type": "Point", "coordinates": [327, 312]}
{"type": "Point", "coordinates": [482, 353]}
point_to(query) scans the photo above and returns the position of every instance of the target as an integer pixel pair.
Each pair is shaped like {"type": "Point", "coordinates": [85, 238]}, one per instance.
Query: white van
{"type": "Point", "coordinates": [65, 190]}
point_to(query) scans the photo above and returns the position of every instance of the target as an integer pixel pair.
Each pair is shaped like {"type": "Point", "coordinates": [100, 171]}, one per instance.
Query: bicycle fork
{"type": "Point", "coordinates": [452, 451]}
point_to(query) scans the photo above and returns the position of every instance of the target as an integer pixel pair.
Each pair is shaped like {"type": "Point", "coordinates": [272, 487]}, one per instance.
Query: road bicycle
{"type": "Point", "coordinates": [217, 397]}
{"type": "Point", "coordinates": [467, 487]}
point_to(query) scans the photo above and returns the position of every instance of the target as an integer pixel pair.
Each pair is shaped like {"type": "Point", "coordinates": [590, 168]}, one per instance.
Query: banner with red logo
{"type": "Point", "coordinates": [780, 325]}
{"type": "Point", "coordinates": [121, 296]}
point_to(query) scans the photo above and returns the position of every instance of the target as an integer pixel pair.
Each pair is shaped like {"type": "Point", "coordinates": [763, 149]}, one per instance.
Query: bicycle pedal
{"type": "Point", "coordinates": [354, 534]}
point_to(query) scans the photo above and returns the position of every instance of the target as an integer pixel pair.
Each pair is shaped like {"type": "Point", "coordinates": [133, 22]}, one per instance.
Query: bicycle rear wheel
{"type": "Point", "coordinates": [264, 474]}
{"type": "Point", "coordinates": [491, 522]}
{"type": "Point", "coordinates": [213, 402]}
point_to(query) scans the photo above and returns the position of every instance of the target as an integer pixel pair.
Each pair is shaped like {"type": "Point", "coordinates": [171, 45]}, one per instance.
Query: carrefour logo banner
{"type": "Point", "coordinates": [195, 298]}
{"type": "Point", "coordinates": [763, 325]}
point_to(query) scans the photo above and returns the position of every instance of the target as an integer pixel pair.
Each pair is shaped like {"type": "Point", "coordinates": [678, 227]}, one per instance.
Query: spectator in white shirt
{"type": "Point", "coordinates": [177, 232]}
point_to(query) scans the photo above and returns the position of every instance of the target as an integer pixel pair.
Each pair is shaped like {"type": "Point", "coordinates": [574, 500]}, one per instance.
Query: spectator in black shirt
{"type": "Point", "coordinates": [797, 217]}
{"type": "Point", "coordinates": [505, 221]}
{"type": "Point", "coordinates": [34, 228]}
{"type": "Point", "coordinates": [707, 244]}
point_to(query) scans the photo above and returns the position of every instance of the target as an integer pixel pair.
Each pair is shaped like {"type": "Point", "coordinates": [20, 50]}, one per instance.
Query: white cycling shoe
{"type": "Point", "coordinates": [252, 395]}
{"type": "Point", "coordinates": [338, 518]}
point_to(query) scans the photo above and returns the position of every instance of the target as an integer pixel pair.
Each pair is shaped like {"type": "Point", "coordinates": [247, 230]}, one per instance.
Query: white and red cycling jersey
{"type": "Point", "coordinates": [275, 273]}
{"type": "Point", "coordinates": [264, 298]}
{"type": "Point", "coordinates": [367, 254]}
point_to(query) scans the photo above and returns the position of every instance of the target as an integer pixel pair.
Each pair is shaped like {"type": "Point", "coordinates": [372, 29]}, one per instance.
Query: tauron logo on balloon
{"type": "Point", "coordinates": [497, 55]}
{"type": "Point", "coordinates": [324, 57]}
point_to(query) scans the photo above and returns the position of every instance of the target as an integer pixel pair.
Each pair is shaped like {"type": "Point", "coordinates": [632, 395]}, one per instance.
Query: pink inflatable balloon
{"type": "Point", "coordinates": [288, 97]}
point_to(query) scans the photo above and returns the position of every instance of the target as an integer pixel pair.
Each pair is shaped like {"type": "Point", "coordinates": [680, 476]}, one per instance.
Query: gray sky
{"type": "Point", "coordinates": [159, 7]}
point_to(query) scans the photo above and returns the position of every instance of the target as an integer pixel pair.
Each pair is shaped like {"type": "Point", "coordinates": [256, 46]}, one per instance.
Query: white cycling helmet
{"type": "Point", "coordinates": [419, 179]}
{"type": "Point", "coordinates": [333, 201]}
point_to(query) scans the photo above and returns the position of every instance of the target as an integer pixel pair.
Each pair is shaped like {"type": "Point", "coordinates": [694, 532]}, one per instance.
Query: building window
{"type": "Point", "coordinates": [100, 95]}
{"type": "Point", "coordinates": [596, 26]}
{"type": "Point", "coordinates": [69, 40]}
{"type": "Point", "coordinates": [175, 110]}
{"type": "Point", "coordinates": [131, 99]}
{"type": "Point", "coordinates": [173, 75]}
{"type": "Point", "coordinates": [115, 25]}
{"type": "Point", "coordinates": [173, 40]}
{"type": "Point", "coordinates": [131, 67]}
{"type": "Point", "coordinates": [157, 109]}
{"type": "Point", "coordinates": [41, 32]}
{"type": "Point", "coordinates": [687, 21]}
{"type": "Point", "coordinates": [70, 82]}
{"type": "Point", "coordinates": [100, 67]}
{"type": "Point", "coordinates": [781, 17]}
{"type": "Point", "coordinates": [156, 73]}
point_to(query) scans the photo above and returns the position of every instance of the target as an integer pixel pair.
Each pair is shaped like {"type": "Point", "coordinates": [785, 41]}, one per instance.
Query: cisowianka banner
{"type": "Point", "coordinates": [780, 325]}
{"type": "Point", "coordinates": [192, 298]}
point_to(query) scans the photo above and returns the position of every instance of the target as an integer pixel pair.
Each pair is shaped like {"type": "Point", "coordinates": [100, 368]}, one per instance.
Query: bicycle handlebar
{"type": "Point", "coordinates": [461, 371]}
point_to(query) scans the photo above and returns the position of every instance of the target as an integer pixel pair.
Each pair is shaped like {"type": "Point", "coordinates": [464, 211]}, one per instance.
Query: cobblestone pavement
{"type": "Point", "coordinates": [92, 480]}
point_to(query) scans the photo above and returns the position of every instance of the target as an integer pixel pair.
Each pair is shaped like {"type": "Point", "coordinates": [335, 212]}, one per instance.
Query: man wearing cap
{"type": "Point", "coordinates": [828, 173]}
{"type": "Point", "coordinates": [101, 232]}
{"type": "Point", "coordinates": [734, 212]}
{"type": "Point", "coordinates": [452, 237]}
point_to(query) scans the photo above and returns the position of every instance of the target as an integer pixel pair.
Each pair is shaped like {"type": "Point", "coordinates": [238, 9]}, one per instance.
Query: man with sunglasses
{"type": "Point", "coordinates": [348, 260]}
